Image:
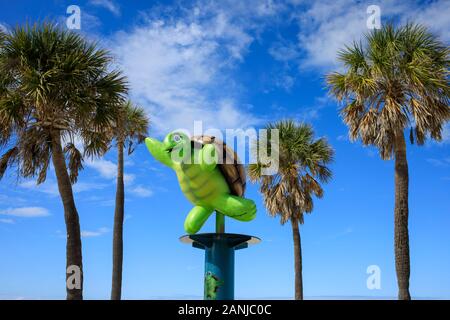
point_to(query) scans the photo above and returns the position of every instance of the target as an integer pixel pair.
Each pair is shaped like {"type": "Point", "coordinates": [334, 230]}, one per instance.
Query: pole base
{"type": "Point", "coordinates": [219, 260]}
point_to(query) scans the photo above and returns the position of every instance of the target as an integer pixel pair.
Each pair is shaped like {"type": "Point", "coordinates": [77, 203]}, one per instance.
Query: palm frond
{"type": "Point", "coordinates": [75, 161]}
{"type": "Point", "coordinates": [8, 158]}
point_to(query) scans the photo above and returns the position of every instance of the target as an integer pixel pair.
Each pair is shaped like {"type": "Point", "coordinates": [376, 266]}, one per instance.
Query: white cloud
{"type": "Point", "coordinates": [7, 221]}
{"type": "Point", "coordinates": [347, 231]}
{"type": "Point", "coordinates": [3, 27]}
{"type": "Point", "coordinates": [446, 134]}
{"type": "Point", "coordinates": [180, 68]}
{"type": "Point", "coordinates": [434, 15]}
{"type": "Point", "coordinates": [141, 192]}
{"type": "Point", "coordinates": [327, 26]}
{"type": "Point", "coordinates": [284, 80]}
{"type": "Point", "coordinates": [307, 114]}
{"type": "Point", "coordinates": [439, 162]}
{"type": "Point", "coordinates": [96, 233]}
{"type": "Point", "coordinates": [128, 178]}
{"type": "Point", "coordinates": [108, 170]}
{"type": "Point", "coordinates": [87, 186]}
{"type": "Point", "coordinates": [310, 113]}
{"type": "Point", "coordinates": [11, 200]}
{"type": "Point", "coordinates": [342, 137]}
{"type": "Point", "coordinates": [105, 168]}
{"type": "Point", "coordinates": [108, 5]}
{"type": "Point", "coordinates": [89, 25]}
{"type": "Point", "coordinates": [50, 187]}
{"type": "Point", "coordinates": [26, 212]}
{"type": "Point", "coordinates": [284, 52]}
{"type": "Point", "coordinates": [108, 203]}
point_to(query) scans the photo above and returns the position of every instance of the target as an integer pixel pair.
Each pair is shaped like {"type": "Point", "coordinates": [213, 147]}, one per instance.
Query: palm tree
{"type": "Point", "coordinates": [130, 127]}
{"type": "Point", "coordinates": [397, 80]}
{"type": "Point", "coordinates": [55, 89]}
{"type": "Point", "coordinates": [289, 193]}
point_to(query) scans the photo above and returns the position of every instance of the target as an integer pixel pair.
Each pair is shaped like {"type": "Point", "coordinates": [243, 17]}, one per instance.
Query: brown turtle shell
{"type": "Point", "coordinates": [231, 168]}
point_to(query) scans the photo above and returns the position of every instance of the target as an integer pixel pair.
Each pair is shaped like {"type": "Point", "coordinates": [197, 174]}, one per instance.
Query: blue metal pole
{"type": "Point", "coordinates": [219, 261]}
{"type": "Point", "coordinates": [219, 270]}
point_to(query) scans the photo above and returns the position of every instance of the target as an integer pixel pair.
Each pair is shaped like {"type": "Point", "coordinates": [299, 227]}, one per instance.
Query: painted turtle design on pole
{"type": "Point", "coordinates": [212, 284]}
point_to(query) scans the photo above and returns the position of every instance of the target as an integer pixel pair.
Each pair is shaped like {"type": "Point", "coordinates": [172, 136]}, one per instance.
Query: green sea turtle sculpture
{"type": "Point", "coordinates": [210, 185]}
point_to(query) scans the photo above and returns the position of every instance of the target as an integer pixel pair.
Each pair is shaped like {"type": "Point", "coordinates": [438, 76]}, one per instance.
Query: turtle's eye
{"type": "Point", "coordinates": [176, 138]}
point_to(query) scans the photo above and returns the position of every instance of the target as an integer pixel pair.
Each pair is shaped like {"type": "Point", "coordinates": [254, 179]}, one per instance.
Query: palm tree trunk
{"type": "Point", "coordinates": [116, 290]}
{"type": "Point", "coordinates": [74, 286]}
{"type": "Point", "coordinates": [402, 266]}
{"type": "Point", "coordinates": [297, 260]}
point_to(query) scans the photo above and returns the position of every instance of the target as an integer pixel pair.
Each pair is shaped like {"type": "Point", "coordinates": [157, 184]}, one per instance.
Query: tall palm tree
{"type": "Point", "coordinates": [397, 79]}
{"type": "Point", "coordinates": [54, 88]}
{"type": "Point", "coordinates": [130, 127]}
{"type": "Point", "coordinates": [289, 193]}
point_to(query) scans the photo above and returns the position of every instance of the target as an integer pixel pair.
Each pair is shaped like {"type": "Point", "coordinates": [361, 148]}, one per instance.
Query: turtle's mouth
{"type": "Point", "coordinates": [169, 150]}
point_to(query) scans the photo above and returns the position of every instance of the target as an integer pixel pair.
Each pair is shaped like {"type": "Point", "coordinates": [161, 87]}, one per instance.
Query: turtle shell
{"type": "Point", "coordinates": [231, 168]}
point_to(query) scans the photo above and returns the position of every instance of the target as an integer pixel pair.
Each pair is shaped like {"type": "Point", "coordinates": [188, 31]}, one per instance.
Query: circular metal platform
{"type": "Point", "coordinates": [201, 240]}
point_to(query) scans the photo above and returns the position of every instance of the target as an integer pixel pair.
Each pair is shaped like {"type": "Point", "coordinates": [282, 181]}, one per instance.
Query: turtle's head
{"type": "Point", "coordinates": [178, 146]}
{"type": "Point", "coordinates": [176, 141]}
{"type": "Point", "coordinates": [174, 149]}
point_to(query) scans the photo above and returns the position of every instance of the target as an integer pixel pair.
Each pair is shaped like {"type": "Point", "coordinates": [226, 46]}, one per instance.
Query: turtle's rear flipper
{"type": "Point", "coordinates": [236, 207]}
{"type": "Point", "coordinates": [196, 218]}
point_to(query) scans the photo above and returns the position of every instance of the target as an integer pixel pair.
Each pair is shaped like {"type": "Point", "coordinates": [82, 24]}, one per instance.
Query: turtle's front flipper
{"type": "Point", "coordinates": [196, 218]}
{"type": "Point", "coordinates": [236, 207]}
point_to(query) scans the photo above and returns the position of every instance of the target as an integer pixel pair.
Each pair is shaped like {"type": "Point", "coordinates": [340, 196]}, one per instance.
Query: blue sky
{"type": "Point", "coordinates": [231, 64]}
